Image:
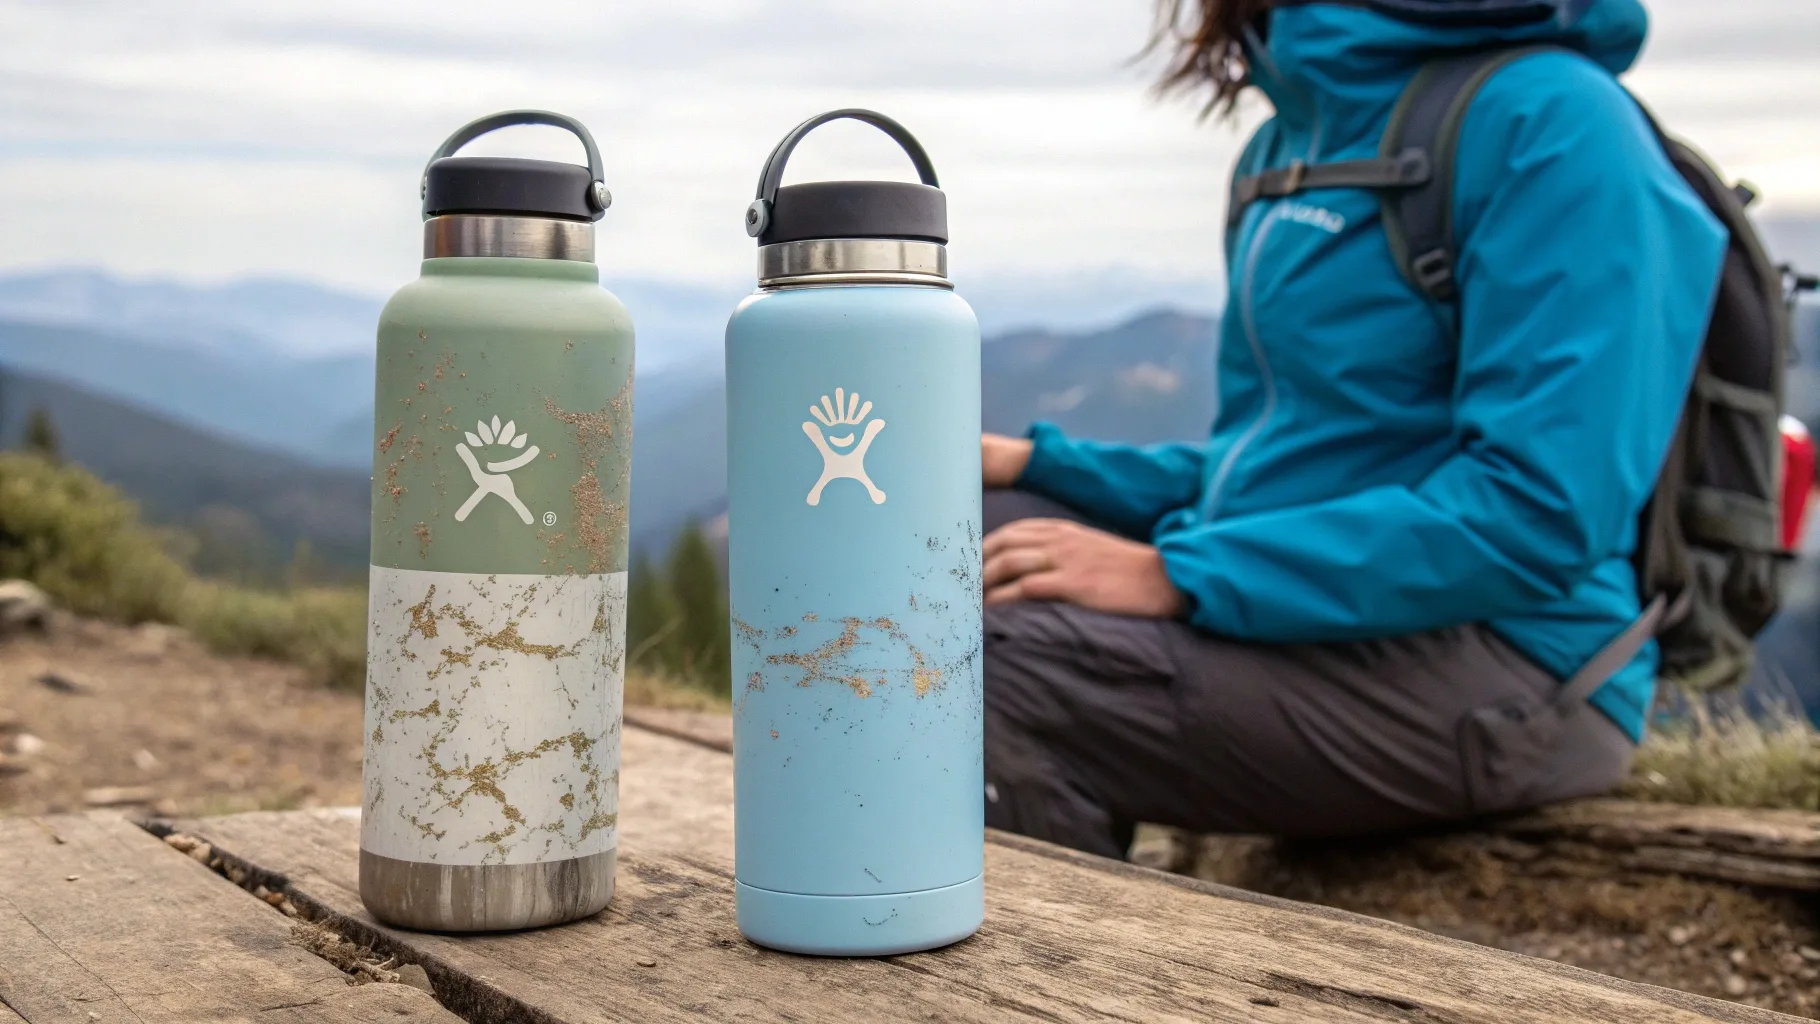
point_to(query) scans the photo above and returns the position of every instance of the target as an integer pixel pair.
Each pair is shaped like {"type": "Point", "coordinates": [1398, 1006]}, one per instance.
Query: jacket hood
{"type": "Point", "coordinates": [1334, 64]}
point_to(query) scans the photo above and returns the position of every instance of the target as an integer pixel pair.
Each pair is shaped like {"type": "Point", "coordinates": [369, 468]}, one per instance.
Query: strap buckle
{"type": "Point", "coordinates": [1433, 272]}
{"type": "Point", "coordinates": [1292, 183]}
{"type": "Point", "coordinates": [1413, 168]}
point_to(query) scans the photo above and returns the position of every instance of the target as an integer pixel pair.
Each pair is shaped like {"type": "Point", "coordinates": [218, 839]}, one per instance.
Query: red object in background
{"type": "Point", "coordinates": [1797, 478]}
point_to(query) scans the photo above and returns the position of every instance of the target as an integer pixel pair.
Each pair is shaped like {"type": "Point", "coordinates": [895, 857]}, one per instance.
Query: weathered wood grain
{"type": "Point", "coordinates": [1779, 849]}
{"type": "Point", "coordinates": [100, 921]}
{"type": "Point", "coordinates": [1794, 834]}
{"type": "Point", "coordinates": [1068, 938]}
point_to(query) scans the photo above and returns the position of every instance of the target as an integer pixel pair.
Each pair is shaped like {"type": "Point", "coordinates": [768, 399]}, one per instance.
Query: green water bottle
{"type": "Point", "coordinates": [496, 639]}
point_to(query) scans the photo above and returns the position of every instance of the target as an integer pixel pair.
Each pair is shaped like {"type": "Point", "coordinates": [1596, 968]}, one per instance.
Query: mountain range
{"type": "Point", "coordinates": [285, 367]}
{"type": "Point", "coordinates": [247, 508]}
{"type": "Point", "coordinates": [1144, 380]}
{"type": "Point", "coordinates": [243, 410]}
{"type": "Point", "coordinates": [288, 364]}
{"type": "Point", "coordinates": [208, 397]}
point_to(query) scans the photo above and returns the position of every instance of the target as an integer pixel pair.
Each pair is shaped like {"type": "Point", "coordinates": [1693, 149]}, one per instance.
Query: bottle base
{"type": "Point", "coordinates": [485, 897]}
{"type": "Point", "coordinates": [904, 922]}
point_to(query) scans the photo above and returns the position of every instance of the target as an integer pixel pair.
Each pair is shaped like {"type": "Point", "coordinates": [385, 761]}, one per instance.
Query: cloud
{"type": "Point", "coordinates": [216, 138]}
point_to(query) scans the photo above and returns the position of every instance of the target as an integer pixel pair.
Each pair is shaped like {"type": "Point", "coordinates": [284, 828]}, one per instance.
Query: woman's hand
{"type": "Point", "coordinates": [1059, 560]}
{"type": "Point", "coordinates": [1002, 459]}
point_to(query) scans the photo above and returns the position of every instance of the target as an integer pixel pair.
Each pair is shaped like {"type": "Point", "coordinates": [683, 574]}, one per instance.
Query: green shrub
{"type": "Point", "coordinates": [321, 628]}
{"type": "Point", "coordinates": [82, 542]}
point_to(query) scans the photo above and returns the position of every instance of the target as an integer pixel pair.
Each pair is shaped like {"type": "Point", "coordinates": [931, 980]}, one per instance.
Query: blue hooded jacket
{"type": "Point", "coordinates": [1371, 472]}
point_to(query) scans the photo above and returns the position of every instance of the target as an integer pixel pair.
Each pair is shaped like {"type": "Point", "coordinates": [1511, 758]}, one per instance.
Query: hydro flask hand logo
{"type": "Point", "coordinates": [837, 463]}
{"type": "Point", "coordinates": [493, 479]}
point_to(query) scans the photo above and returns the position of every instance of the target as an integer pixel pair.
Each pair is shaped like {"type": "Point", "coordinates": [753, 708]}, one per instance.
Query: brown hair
{"type": "Point", "coordinates": [1202, 38]}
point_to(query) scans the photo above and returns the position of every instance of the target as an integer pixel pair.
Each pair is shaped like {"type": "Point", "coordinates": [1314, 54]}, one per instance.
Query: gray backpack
{"type": "Point", "coordinates": [1709, 558]}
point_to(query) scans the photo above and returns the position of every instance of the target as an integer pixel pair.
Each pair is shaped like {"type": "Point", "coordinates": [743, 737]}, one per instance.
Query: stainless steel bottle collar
{"type": "Point", "coordinates": [532, 238]}
{"type": "Point", "coordinates": [830, 261]}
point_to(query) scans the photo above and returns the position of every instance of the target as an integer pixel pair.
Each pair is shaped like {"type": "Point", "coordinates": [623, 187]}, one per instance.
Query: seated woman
{"type": "Point", "coordinates": [1355, 606]}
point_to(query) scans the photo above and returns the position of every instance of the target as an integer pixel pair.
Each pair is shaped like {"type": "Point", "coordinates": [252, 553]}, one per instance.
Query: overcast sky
{"type": "Point", "coordinates": [221, 138]}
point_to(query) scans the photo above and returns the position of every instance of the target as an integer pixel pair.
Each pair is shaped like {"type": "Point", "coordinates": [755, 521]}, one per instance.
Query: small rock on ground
{"type": "Point", "coordinates": [62, 683]}
{"type": "Point", "coordinates": [22, 607]}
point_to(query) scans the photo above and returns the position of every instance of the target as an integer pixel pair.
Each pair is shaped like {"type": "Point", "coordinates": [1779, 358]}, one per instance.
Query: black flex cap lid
{"type": "Point", "coordinates": [857, 209]}
{"type": "Point", "coordinates": [512, 185]}
{"type": "Point", "coordinates": [497, 184]}
{"type": "Point", "coordinates": [848, 209]}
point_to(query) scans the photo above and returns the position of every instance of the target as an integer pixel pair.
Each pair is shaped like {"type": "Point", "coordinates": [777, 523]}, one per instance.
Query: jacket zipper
{"type": "Point", "coordinates": [1210, 505]}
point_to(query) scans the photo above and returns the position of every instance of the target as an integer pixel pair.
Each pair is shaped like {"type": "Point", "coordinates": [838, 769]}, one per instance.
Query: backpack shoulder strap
{"type": "Point", "coordinates": [1427, 119]}
{"type": "Point", "coordinates": [1400, 171]}
{"type": "Point", "coordinates": [1404, 170]}
{"type": "Point", "coordinates": [1247, 159]}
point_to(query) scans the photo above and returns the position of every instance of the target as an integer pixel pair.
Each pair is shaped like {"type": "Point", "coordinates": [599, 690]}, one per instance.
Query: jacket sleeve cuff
{"type": "Point", "coordinates": [1049, 451]}
{"type": "Point", "coordinates": [1189, 567]}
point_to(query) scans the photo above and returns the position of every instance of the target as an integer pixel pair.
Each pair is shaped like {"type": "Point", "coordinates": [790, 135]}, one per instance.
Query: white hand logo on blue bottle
{"type": "Point", "coordinates": [494, 479]}
{"type": "Point", "coordinates": [838, 463]}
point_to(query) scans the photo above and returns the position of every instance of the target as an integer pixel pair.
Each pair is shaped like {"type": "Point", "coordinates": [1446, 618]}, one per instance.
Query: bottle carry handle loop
{"type": "Point", "coordinates": [758, 215]}
{"type": "Point", "coordinates": [598, 196]}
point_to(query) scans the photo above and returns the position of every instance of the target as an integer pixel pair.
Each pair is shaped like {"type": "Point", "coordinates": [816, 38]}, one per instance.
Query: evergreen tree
{"type": "Point", "coordinates": [701, 598]}
{"type": "Point", "coordinates": [652, 619]}
{"type": "Point", "coordinates": [41, 435]}
{"type": "Point", "coordinates": [304, 568]}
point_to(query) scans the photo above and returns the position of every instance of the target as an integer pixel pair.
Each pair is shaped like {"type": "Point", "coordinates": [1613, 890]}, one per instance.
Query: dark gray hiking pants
{"type": "Point", "coordinates": [1096, 722]}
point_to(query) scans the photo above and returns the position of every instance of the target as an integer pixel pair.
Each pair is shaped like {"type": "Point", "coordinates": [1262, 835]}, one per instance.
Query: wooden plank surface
{"type": "Point", "coordinates": [101, 921]}
{"type": "Point", "coordinates": [1068, 938]}
{"type": "Point", "coordinates": [1772, 848]}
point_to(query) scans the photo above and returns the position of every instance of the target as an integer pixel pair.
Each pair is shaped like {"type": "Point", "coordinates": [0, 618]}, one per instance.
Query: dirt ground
{"type": "Point", "coordinates": [144, 719]}
{"type": "Point", "coordinates": [95, 715]}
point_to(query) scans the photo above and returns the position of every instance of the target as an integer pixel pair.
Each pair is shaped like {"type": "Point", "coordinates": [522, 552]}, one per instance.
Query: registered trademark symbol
{"type": "Point", "coordinates": [549, 519]}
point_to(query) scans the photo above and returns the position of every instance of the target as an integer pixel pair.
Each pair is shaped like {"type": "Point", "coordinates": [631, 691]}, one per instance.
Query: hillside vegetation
{"type": "Point", "coordinates": [84, 544]}
{"type": "Point", "coordinates": [1730, 760]}
{"type": "Point", "coordinates": [245, 509]}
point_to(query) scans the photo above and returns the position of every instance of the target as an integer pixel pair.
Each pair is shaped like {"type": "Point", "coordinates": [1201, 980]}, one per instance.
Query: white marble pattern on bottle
{"type": "Point", "coordinates": [492, 716]}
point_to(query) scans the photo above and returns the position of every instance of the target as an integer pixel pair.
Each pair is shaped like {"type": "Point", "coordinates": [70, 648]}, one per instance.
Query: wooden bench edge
{"type": "Point", "coordinates": [1717, 1009]}
{"type": "Point", "coordinates": [688, 726]}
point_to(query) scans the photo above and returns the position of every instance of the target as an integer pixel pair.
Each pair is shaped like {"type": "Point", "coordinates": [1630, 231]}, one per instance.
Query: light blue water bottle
{"type": "Point", "coordinates": [853, 422]}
